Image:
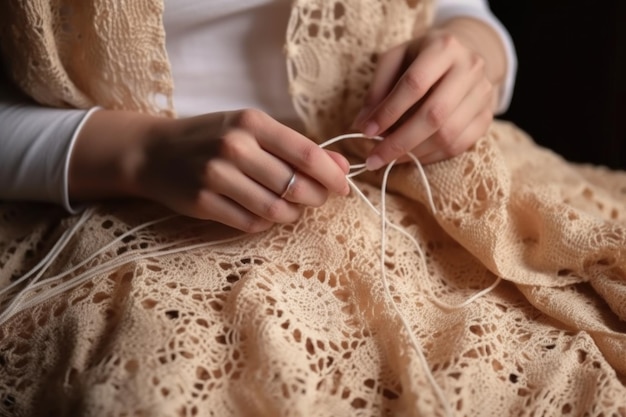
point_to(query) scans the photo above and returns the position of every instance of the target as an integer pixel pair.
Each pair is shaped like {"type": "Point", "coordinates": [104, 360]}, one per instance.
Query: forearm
{"type": "Point", "coordinates": [224, 166]}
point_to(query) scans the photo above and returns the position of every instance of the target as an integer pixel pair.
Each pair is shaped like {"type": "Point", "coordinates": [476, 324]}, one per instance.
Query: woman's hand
{"type": "Point", "coordinates": [233, 168]}
{"type": "Point", "coordinates": [433, 96]}
{"type": "Point", "coordinates": [230, 167]}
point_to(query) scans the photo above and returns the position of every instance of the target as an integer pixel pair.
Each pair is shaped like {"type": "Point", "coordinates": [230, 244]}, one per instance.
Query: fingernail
{"type": "Point", "coordinates": [346, 190]}
{"type": "Point", "coordinates": [371, 129]}
{"type": "Point", "coordinates": [374, 162]}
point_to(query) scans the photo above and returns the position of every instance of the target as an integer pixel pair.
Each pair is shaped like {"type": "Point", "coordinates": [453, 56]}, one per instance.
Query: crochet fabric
{"type": "Point", "coordinates": [294, 321]}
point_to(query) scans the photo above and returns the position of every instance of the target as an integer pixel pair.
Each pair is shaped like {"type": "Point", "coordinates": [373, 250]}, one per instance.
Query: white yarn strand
{"type": "Point", "coordinates": [41, 267]}
{"type": "Point", "coordinates": [414, 342]}
{"type": "Point", "coordinates": [384, 222]}
{"type": "Point", "coordinates": [107, 267]}
{"type": "Point", "coordinates": [21, 302]}
{"type": "Point", "coordinates": [47, 260]}
{"type": "Point", "coordinates": [103, 268]}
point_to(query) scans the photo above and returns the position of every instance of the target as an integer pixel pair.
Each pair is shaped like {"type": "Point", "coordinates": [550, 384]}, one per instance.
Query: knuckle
{"type": "Point", "coordinates": [298, 190]}
{"type": "Point", "coordinates": [448, 41]}
{"type": "Point", "coordinates": [249, 119]}
{"type": "Point", "coordinates": [234, 147]}
{"type": "Point", "coordinates": [448, 134]}
{"type": "Point", "coordinates": [274, 210]}
{"type": "Point", "coordinates": [415, 81]}
{"type": "Point", "coordinates": [436, 114]}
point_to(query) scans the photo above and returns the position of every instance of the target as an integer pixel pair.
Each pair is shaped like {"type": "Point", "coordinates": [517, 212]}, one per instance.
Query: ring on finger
{"type": "Point", "coordinates": [290, 183]}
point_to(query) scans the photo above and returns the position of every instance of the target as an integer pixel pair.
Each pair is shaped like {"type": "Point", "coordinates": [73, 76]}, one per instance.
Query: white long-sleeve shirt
{"type": "Point", "coordinates": [220, 61]}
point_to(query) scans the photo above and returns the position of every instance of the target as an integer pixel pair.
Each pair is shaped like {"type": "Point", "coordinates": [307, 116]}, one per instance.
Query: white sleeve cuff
{"type": "Point", "coordinates": [479, 9]}
{"type": "Point", "coordinates": [35, 147]}
{"type": "Point", "coordinates": [66, 166]}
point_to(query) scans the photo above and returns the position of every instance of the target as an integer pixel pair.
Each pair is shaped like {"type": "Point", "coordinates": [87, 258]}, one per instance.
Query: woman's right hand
{"type": "Point", "coordinates": [229, 167]}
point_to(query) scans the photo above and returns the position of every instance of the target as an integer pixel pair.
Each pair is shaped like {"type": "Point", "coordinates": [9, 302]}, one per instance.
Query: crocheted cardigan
{"type": "Point", "coordinates": [133, 318]}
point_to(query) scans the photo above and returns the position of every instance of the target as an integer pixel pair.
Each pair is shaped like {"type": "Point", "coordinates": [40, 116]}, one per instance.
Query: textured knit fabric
{"type": "Point", "coordinates": [225, 55]}
{"type": "Point", "coordinates": [295, 321]}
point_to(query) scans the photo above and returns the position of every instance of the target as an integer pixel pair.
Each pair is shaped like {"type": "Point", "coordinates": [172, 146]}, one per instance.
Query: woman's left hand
{"type": "Point", "coordinates": [431, 96]}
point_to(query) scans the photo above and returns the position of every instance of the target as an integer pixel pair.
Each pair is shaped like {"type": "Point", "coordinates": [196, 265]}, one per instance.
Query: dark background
{"type": "Point", "coordinates": [570, 93]}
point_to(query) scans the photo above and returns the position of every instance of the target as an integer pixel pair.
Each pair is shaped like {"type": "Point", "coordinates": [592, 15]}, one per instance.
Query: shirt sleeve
{"type": "Point", "coordinates": [35, 147]}
{"type": "Point", "coordinates": [479, 9]}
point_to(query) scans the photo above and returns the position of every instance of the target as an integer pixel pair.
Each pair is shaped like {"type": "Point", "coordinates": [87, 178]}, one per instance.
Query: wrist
{"type": "Point", "coordinates": [108, 154]}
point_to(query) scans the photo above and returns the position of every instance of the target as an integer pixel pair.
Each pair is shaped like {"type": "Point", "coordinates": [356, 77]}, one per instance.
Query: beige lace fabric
{"type": "Point", "coordinates": [294, 321]}
{"type": "Point", "coordinates": [77, 53]}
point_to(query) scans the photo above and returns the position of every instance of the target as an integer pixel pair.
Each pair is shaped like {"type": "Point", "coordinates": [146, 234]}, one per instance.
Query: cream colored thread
{"type": "Point", "coordinates": [384, 222]}
{"type": "Point", "coordinates": [431, 203]}
{"type": "Point", "coordinates": [118, 262]}
{"type": "Point", "coordinates": [18, 304]}
{"type": "Point", "coordinates": [41, 266]}
{"type": "Point", "coordinates": [414, 342]}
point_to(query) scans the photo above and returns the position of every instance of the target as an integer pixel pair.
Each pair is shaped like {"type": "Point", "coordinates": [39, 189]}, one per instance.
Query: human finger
{"type": "Point", "coordinates": [446, 139]}
{"type": "Point", "coordinates": [420, 76]}
{"type": "Point", "coordinates": [215, 207]}
{"type": "Point", "coordinates": [428, 118]}
{"type": "Point", "coordinates": [301, 189]}
{"type": "Point", "coordinates": [295, 149]}
{"type": "Point", "coordinates": [241, 149]}
{"type": "Point", "coordinates": [470, 135]}
{"type": "Point", "coordinates": [340, 160]}
{"type": "Point", "coordinates": [227, 180]}
{"type": "Point", "coordinates": [387, 69]}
